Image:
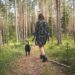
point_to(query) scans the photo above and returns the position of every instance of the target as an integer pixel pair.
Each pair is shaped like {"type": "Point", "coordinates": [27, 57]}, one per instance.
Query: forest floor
{"type": "Point", "coordinates": [32, 65]}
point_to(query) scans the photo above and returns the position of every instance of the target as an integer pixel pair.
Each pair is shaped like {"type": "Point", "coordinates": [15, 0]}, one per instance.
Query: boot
{"type": "Point", "coordinates": [41, 56]}
{"type": "Point", "coordinates": [44, 58]}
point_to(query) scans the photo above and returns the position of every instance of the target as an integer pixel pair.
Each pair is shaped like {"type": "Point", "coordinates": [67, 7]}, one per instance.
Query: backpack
{"type": "Point", "coordinates": [42, 29]}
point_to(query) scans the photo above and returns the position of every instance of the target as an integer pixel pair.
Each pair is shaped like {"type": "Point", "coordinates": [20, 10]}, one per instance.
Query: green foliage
{"type": "Point", "coordinates": [2, 7]}
{"type": "Point", "coordinates": [65, 16]}
{"type": "Point", "coordinates": [11, 27]}
{"type": "Point", "coordinates": [72, 68]}
{"type": "Point", "coordinates": [50, 26]}
{"type": "Point", "coordinates": [67, 54]}
{"type": "Point", "coordinates": [9, 53]}
{"type": "Point", "coordinates": [64, 53]}
{"type": "Point", "coordinates": [11, 32]}
{"type": "Point", "coordinates": [65, 20]}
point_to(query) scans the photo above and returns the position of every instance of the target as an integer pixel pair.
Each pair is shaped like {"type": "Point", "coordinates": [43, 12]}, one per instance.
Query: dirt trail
{"type": "Point", "coordinates": [33, 66]}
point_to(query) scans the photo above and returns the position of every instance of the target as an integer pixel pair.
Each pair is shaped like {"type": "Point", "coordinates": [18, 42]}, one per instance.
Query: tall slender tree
{"type": "Point", "coordinates": [16, 19]}
{"type": "Point", "coordinates": [74, 19]}
{"type": "Point", "coordinates": [58, 21]}
{"type": "Point", "coordinates": [0, 25]}
{"type": "Point", "coordinates": [7, 21]}
{"type": "Point", "coordinates": [65, 17]}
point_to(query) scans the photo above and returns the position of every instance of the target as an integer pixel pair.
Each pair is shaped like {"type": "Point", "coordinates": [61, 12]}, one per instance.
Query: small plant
{"type": "Point", "coordinates": [73, 68]}
{"type": "Point", "coordinates": [67, 54]}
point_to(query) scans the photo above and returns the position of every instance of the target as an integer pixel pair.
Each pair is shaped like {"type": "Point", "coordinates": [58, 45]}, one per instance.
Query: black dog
{"type": "Point", "coordinates": [27, 49]}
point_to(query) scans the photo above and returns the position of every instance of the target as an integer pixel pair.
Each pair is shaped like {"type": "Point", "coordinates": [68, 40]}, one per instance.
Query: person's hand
{"type": "Point", "coordinates": [33, 39]}
{"type": "Point", "coordinates": [48, 39]}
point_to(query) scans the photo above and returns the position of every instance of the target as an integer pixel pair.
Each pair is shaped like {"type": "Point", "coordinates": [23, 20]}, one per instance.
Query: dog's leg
{"type": "Point", "coordinates": [26, 53]}
{"type": "Point", "coordinates": [29, 53]}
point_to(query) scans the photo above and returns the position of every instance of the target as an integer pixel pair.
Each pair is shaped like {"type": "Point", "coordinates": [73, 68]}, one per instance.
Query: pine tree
{"type": "Point", "coordinates": [58, 22]}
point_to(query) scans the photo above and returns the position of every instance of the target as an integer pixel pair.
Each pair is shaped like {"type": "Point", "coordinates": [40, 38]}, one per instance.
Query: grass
{"type": "Point", "coordinates": [64, 53]}
{"type": "Point", "coordinates": [9, 53]}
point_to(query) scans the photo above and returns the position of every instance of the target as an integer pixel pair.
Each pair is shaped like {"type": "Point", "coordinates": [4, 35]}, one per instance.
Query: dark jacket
{"type": "Point", "coordinates": [41, 32]}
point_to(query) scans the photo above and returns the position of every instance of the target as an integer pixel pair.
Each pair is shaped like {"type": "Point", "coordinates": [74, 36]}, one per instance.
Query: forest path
{"type": "Point", "coordinates": [33, 66]}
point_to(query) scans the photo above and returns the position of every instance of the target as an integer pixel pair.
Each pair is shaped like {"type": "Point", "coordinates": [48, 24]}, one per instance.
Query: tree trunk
{"type": "Point", "coordinates": [16, 18]}
{"type": "Point", "coordinates": [26, 21]}
{"type": "Point", "coordinates": [7, 22]}
{"type": "Point", "coordinates": [74, 19]}
{"type": "Point", "coordinates": [0, 25]}
{"type": "Point", "coordinates": [1, 38]}
{"type": "Point", "coordinates": [58, 21]}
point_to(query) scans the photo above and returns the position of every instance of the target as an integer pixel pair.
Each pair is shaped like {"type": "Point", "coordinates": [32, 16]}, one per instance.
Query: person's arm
{"type": "Point", "coordinates": [33, 37]}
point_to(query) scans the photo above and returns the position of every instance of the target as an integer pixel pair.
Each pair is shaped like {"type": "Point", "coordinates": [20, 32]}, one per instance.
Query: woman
{"type": "Point", "coordinates": [41, 35]}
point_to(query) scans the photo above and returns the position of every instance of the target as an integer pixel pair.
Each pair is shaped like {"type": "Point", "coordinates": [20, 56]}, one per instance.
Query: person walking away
{"type": "Point", "coordinates": [41, 35]}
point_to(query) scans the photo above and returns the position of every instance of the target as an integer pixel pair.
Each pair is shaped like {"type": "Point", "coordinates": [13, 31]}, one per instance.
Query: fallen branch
{"type": "Point", "coordinates": [58, 63]}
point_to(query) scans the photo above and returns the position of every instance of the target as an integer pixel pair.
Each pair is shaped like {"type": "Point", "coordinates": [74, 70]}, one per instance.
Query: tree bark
{"type": "Point", "coordinates": [16, 18]}
{"type": "Point", "coordinates": [74, 19]}
{"type": "Point", "coordinates": [58, 21]}
{"type": "Point", "coordinates": [7, 21]}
